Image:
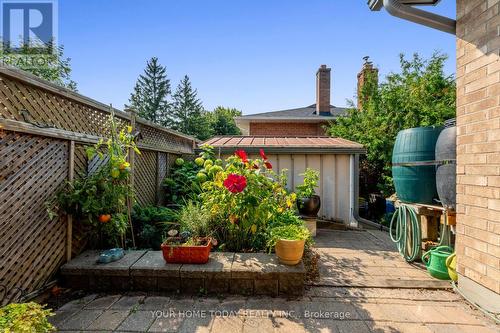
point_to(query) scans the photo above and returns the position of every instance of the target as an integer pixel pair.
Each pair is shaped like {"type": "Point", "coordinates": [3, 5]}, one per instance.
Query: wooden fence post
{"type": "Point", "coordinates": [131, 160]}
{"type": "Point", "coordinates": [71, 176]}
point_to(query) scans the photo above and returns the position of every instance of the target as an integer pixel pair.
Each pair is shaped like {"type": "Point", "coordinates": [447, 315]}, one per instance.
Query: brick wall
{"type": "Point", "coordinates": [478, 142]}
{"type": "Point", "coordinates": [287, 129]}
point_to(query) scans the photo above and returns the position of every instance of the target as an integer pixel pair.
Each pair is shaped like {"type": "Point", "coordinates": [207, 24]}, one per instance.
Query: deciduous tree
{"type": "Point", "coordinates": [420, 94]}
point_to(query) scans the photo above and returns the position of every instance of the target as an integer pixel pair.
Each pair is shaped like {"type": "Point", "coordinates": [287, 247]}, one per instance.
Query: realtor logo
{"type": "Point", "coordinates": [28, 22]}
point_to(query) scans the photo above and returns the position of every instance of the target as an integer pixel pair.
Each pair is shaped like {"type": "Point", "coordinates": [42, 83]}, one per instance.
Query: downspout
{"type": "Point", "coordinates": [406, 12]}
{"type": "Point", "coordinates": [353, 190]}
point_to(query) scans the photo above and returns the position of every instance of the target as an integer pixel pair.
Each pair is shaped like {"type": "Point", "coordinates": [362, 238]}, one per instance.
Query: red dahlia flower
{"type": "Point", "coordinates": [262, 154]}
{"type": "Point", "coordinates": [242, 155]}
{"type": "Point", "coordinates": [235, 183]}
{"type": "Point", "coordinates": [268, 165]}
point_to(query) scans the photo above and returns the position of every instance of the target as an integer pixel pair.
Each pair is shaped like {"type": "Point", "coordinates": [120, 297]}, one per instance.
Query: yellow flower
{"type": "Point", "coordinates": [288, 203]}
{"type": "Point", "coordinates": [293, 197]}
{"type": "Point", "coordinates": [129, 129]}
{"type": "Point", "coordinates": [280, 209]}
{"type": "Point", "coordinates": [253, 229]}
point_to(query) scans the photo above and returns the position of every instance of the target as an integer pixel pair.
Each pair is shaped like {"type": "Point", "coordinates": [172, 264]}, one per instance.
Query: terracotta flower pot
{"type": "Point", "coordinates": [289, 252]}
{"type": "Point", "coordinates": [186, 254]}
{"type": "Point", "coordinates": [309, 206]}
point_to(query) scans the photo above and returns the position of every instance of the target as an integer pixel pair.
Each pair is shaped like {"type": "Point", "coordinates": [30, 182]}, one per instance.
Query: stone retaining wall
{"type": "Point", "coordinates": [225, 272]}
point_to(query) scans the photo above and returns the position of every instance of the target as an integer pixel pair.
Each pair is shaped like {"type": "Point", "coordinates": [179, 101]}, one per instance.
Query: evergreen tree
{"type": "Point", "coordinates": [150, 93]}
{"type": "Point", "coordinates": [222, 121]}
{"type": "Point", "coordinates": [187, 114]}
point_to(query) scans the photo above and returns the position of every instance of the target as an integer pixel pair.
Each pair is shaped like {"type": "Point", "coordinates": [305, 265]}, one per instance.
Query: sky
{"type": "Point", "coordinates": [254, 55]}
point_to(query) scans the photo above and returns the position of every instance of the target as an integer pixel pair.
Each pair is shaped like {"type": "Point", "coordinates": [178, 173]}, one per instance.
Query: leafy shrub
{"type": "Point", "coordinates": [419, 94]}
{"type": "Point", "coordinates": [151, 224]}
{"type": "Point", "coordinates": [288, 217]}
{"type": "Point", "coordinates": [184, 183]}
{"type": "Point", "coordinates": [242, 199]}
{"type": "Point", "coordinates": [25, 318]}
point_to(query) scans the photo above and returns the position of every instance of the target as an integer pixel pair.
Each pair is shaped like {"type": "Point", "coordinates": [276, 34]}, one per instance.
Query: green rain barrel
{"type": "Point", "coordinates": [413, 164]}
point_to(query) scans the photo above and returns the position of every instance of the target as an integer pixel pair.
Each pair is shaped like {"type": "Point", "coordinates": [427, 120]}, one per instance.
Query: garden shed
{"type": "Point", "coordinates": [335, 158]}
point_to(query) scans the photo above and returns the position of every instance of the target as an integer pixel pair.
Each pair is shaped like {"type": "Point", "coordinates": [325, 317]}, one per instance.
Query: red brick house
{"type": "Point", "coordinates": [308, 121]}
{"type": "Point", "coordinates": [305, 121]}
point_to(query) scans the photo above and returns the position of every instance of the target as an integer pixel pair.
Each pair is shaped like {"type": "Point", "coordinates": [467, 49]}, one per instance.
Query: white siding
{"type": "Point", "coordinates": [329, 180]}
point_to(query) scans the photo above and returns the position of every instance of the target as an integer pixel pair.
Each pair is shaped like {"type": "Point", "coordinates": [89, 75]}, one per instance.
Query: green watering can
{"type": "Point", "coordinates": [435, 260]}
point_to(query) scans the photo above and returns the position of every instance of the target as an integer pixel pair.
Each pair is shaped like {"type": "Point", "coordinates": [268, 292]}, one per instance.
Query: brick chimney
{"type": "Point", "coordinates": [367, 72]}
{"type": "Point", "coordinates": [323, 91]}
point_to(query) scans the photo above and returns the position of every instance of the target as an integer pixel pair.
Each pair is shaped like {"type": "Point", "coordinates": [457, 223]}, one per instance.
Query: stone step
{"type": "Point", "coordinates": [225, 272]}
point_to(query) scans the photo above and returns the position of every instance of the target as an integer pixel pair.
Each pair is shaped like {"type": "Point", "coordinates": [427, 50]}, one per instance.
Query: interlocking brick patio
{"type": "Point", "coordinates": [364, 287]}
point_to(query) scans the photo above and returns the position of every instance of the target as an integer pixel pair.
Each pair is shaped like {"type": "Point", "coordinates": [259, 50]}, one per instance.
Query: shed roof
{"type": "Point", "coordinates": [286, 144]}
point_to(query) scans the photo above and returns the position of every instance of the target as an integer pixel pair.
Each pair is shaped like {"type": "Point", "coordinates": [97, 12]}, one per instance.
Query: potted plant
{"type": "Point", "coordinates": [193, 244]}
{"type": "Point", "coordinates": [288, 242]}
{"type": "Point", "coordinates": [186, 250]}
{"type": "Point", "coordinates": [308, 202]}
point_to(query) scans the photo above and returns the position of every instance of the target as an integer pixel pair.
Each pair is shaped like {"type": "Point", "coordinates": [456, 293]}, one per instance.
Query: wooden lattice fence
{"type": "Point", "coordinates": [43, 133]}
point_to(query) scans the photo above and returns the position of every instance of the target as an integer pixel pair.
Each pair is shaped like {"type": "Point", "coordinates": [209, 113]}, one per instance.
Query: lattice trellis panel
{"type": "Point", "coordinates": [81, 162]}
{"type": "Point", "coordinates": [57, 110]}
{"type": "Point", "coordinates": [145, 177]}
{"type": "Point", "coordinates": [32, 246]}
{"type": "Point", "coordinates": [171, 160]}
{"type": "Point", "coordinates": [46, 108]}
{"type": "Point", "coordinates": [155, 137]}
{"type": "Point", "coordinates": [80, 231]}
{"type": "Point", "coordinates": [162, 170]}
{"type": "Point", "coordinates": [33, 166]}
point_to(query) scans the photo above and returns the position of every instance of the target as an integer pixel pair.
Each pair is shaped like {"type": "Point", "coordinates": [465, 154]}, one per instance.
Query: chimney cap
{"type": "Point", "coordinates": [324, 68]}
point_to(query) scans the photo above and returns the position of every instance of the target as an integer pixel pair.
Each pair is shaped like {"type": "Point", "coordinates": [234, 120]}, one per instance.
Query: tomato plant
{"type": "Point", "coordinates": [100, 199]}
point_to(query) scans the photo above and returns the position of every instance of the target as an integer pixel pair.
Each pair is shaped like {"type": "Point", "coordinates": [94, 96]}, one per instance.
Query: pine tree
{"type": "Point", "coordinates": [150, 93]}
{"type": "Point", "coordinates": [187, 114]}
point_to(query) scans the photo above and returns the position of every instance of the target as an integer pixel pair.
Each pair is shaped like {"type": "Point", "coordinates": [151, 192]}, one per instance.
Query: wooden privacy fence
{"type": "Point", "coordinates": [43, 133]}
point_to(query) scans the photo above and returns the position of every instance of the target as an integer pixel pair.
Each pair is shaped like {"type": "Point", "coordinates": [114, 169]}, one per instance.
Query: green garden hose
{"type": "Point", "coordinates": [407, 235]}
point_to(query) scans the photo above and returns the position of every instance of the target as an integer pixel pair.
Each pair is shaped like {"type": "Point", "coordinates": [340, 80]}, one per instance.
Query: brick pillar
{"type": "Point", "coordinates": [323, 90]}
{"type": "Point", "coordinates": [367, 74]}
{"type": "Point", "coordinates": [478, 151]}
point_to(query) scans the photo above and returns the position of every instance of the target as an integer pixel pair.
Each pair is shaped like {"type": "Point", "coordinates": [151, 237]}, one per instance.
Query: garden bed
{"type": "Point", "coordinates": [225, 273]}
